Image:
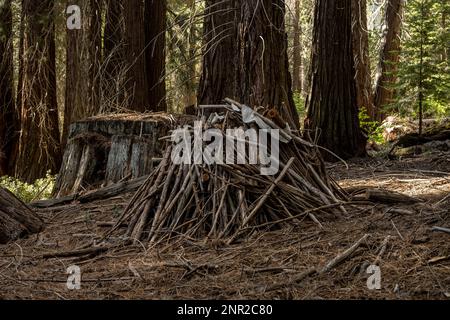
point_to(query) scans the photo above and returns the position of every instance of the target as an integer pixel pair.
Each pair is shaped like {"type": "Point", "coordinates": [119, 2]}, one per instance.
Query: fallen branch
{"type": "Point", "coordinates": [99, 194]}
{"type": "Point", "coordinates": [382, 250]}
{"type": "Point", "coordinates": [441, 229]}
{"type": "Point", "coordinates": [76, 253]}
{"type": "Point", "coordinates": [343, 256]}
{"type": "Point", "coordinates": [387, 196]}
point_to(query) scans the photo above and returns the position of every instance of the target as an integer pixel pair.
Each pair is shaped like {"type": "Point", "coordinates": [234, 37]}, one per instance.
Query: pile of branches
{"type": "Point", "coordinates": [227, 201]}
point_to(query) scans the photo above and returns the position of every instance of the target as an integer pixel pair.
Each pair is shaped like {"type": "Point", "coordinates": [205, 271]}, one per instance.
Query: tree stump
{"type": "Point", "coordinates": [16, 219]}
{"type": "Point", "coordinates": [104, 150]}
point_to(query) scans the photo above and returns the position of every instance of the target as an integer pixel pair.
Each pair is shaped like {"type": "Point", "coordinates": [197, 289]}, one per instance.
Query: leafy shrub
{"type": "Point", "coordinates": [372, 128]}
{"type": "Point", "coordinates": [41, 189]}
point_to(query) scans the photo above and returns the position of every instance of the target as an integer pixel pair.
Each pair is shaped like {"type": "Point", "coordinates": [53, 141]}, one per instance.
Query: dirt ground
{"type": "Point", "coordinates": [414, 260]}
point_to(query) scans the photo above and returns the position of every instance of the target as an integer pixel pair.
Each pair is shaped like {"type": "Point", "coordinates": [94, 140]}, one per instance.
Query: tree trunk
{"type": "Point", "coordinates": [297, 73]}
{"type": "Point", "coordinates": [95, 55]}
{"type": "Point", "coordinates": [360, 37]}
{"type": "Point", "coordinates": [113, 56]}
{"type": "Point", "coordinates": [9, 123]}
{"type": "Point", "coordinates": [155, 52]}
{"type": "Point", "coordinates": [39, 148]}
{"type": "Point", "coordinates": [137, 95]}
{"type": "Point", "coordinates": [389, 56]}
{"type": "Point", "coordinates": [219, 54]}
{"type": "Point", "coordinates": [246, 56]}
{"type": "Point", "coordinates": [83, 63]}
{"type": "Point", "coordinates": [75, 90]}
{"type": "Point", "coordinates": [13, 159]}
{"type": "Point", "coordinates": [16, 219]}
{"type": "Point", "coordinates": [332, 102]}
{"type": "Point", "coordinates": [263, 73]}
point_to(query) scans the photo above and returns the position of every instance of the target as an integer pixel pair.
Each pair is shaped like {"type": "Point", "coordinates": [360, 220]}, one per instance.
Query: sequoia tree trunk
{"type": "Point", "coordinates": [360, 37]}
{"type": "Point", "coordinates": [220, 46]}
{"type": "Point", "coordinates": [16, 219]}
{"type": "Point", "coordinates": [113, 83]}
{"type": "Point", "coordinates": [297, 70]}
{"type": "Point", "coordinates": [9, 126]}
{"type": "Point", "coordinates": [263, 73]}
{"type": "Point", "coordinates": [155, 52]}
{"type": "Point", "coordinates": [137, 97]}
{"type": "Point", "coordinates": [246, 57]}
{"type": "Point", "coordinates": [389, 56]}
{"type": "Point", "coordinates": [75, 90]}
{"type": "Point", "coordinates": [332, 103]}
{"type": "Point", "coordinates": [83, 63]}
{"type": "Point", "coordinates": [39, 148]}
{"type": "Point", "coordinates": [95, 55]}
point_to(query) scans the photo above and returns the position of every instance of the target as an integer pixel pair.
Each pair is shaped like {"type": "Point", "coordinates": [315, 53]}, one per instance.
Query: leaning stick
{"type": "Point", "coordinates": [268, 192]}
{"type": "Point", "coordinates": [330, 265]}
{"type": "Point", "coordinates": [382, 250]}
{"type": "Point", "coordinates": [263, 199]}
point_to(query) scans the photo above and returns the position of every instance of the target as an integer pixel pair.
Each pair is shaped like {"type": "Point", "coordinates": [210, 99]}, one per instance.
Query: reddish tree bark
{"type": "Point", "coordinates": [219, 53]}
{"type": "Point", "coordinates": [360, 37]}
{"type": "Point", "coordinates": [246, 56]}
{"type": "Point", "coordinates": [297, 70]}
{"type": "Point", "coordinates": [9, 122]}
{"type": "Point", "coordinates": [137, 95]}
{"type": "Point", "coordinates": [389, 56]}
{"type": "Point", "coordinates": [95, 54]}
{"type": "Point", "coordinates": [39, 148]}
{"type": "Point", "coordinates": [83, 63]}
{"type": "Point", "coordinates": [113, 57]}
{"type": "Point", "coordinates": [155, 53]}
{"type": "Point", "coordinates": [332, 102]}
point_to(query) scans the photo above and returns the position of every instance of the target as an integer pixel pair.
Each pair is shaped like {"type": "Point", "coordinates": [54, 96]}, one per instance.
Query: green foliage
{"type": "Point", "coordinates": [41, 189]}
{"type": "Point", "coordinates": [424, 63]}
{"type": "Point", "coordinates": [372, 128]}
{"type": "Point", "coordinates": [299, 102]}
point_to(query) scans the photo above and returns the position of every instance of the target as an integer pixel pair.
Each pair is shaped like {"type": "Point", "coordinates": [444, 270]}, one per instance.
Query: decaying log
{"type": "Point", "coordinates": [435, 138]}
{"type": "Point", "coordinates": [421, 149]}
{"type": "Point", "coordinates": [99, 194]}
{"type": "Point", "coordinates": [388, 197]}
{"type": "Point", "coordinates": [16, 219]}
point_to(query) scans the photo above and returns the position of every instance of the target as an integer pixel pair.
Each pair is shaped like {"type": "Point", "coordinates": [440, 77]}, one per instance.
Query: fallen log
{"type": "Point", "coordinates": [17, 220]}
{"type": "Point", "coordinates": [436, 137]}
{"type": "Point", "coordinates": [389, 197]}
{"type": "Point", "coordinates": [99, 194]}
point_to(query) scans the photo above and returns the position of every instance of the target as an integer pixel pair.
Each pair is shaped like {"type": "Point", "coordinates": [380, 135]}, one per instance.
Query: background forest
{"type": "Point", "coordinates": [158, 55]}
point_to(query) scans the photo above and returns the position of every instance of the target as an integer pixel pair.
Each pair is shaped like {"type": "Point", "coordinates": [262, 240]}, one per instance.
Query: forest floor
{"type": "Point", "coordinates": [414, 260]}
